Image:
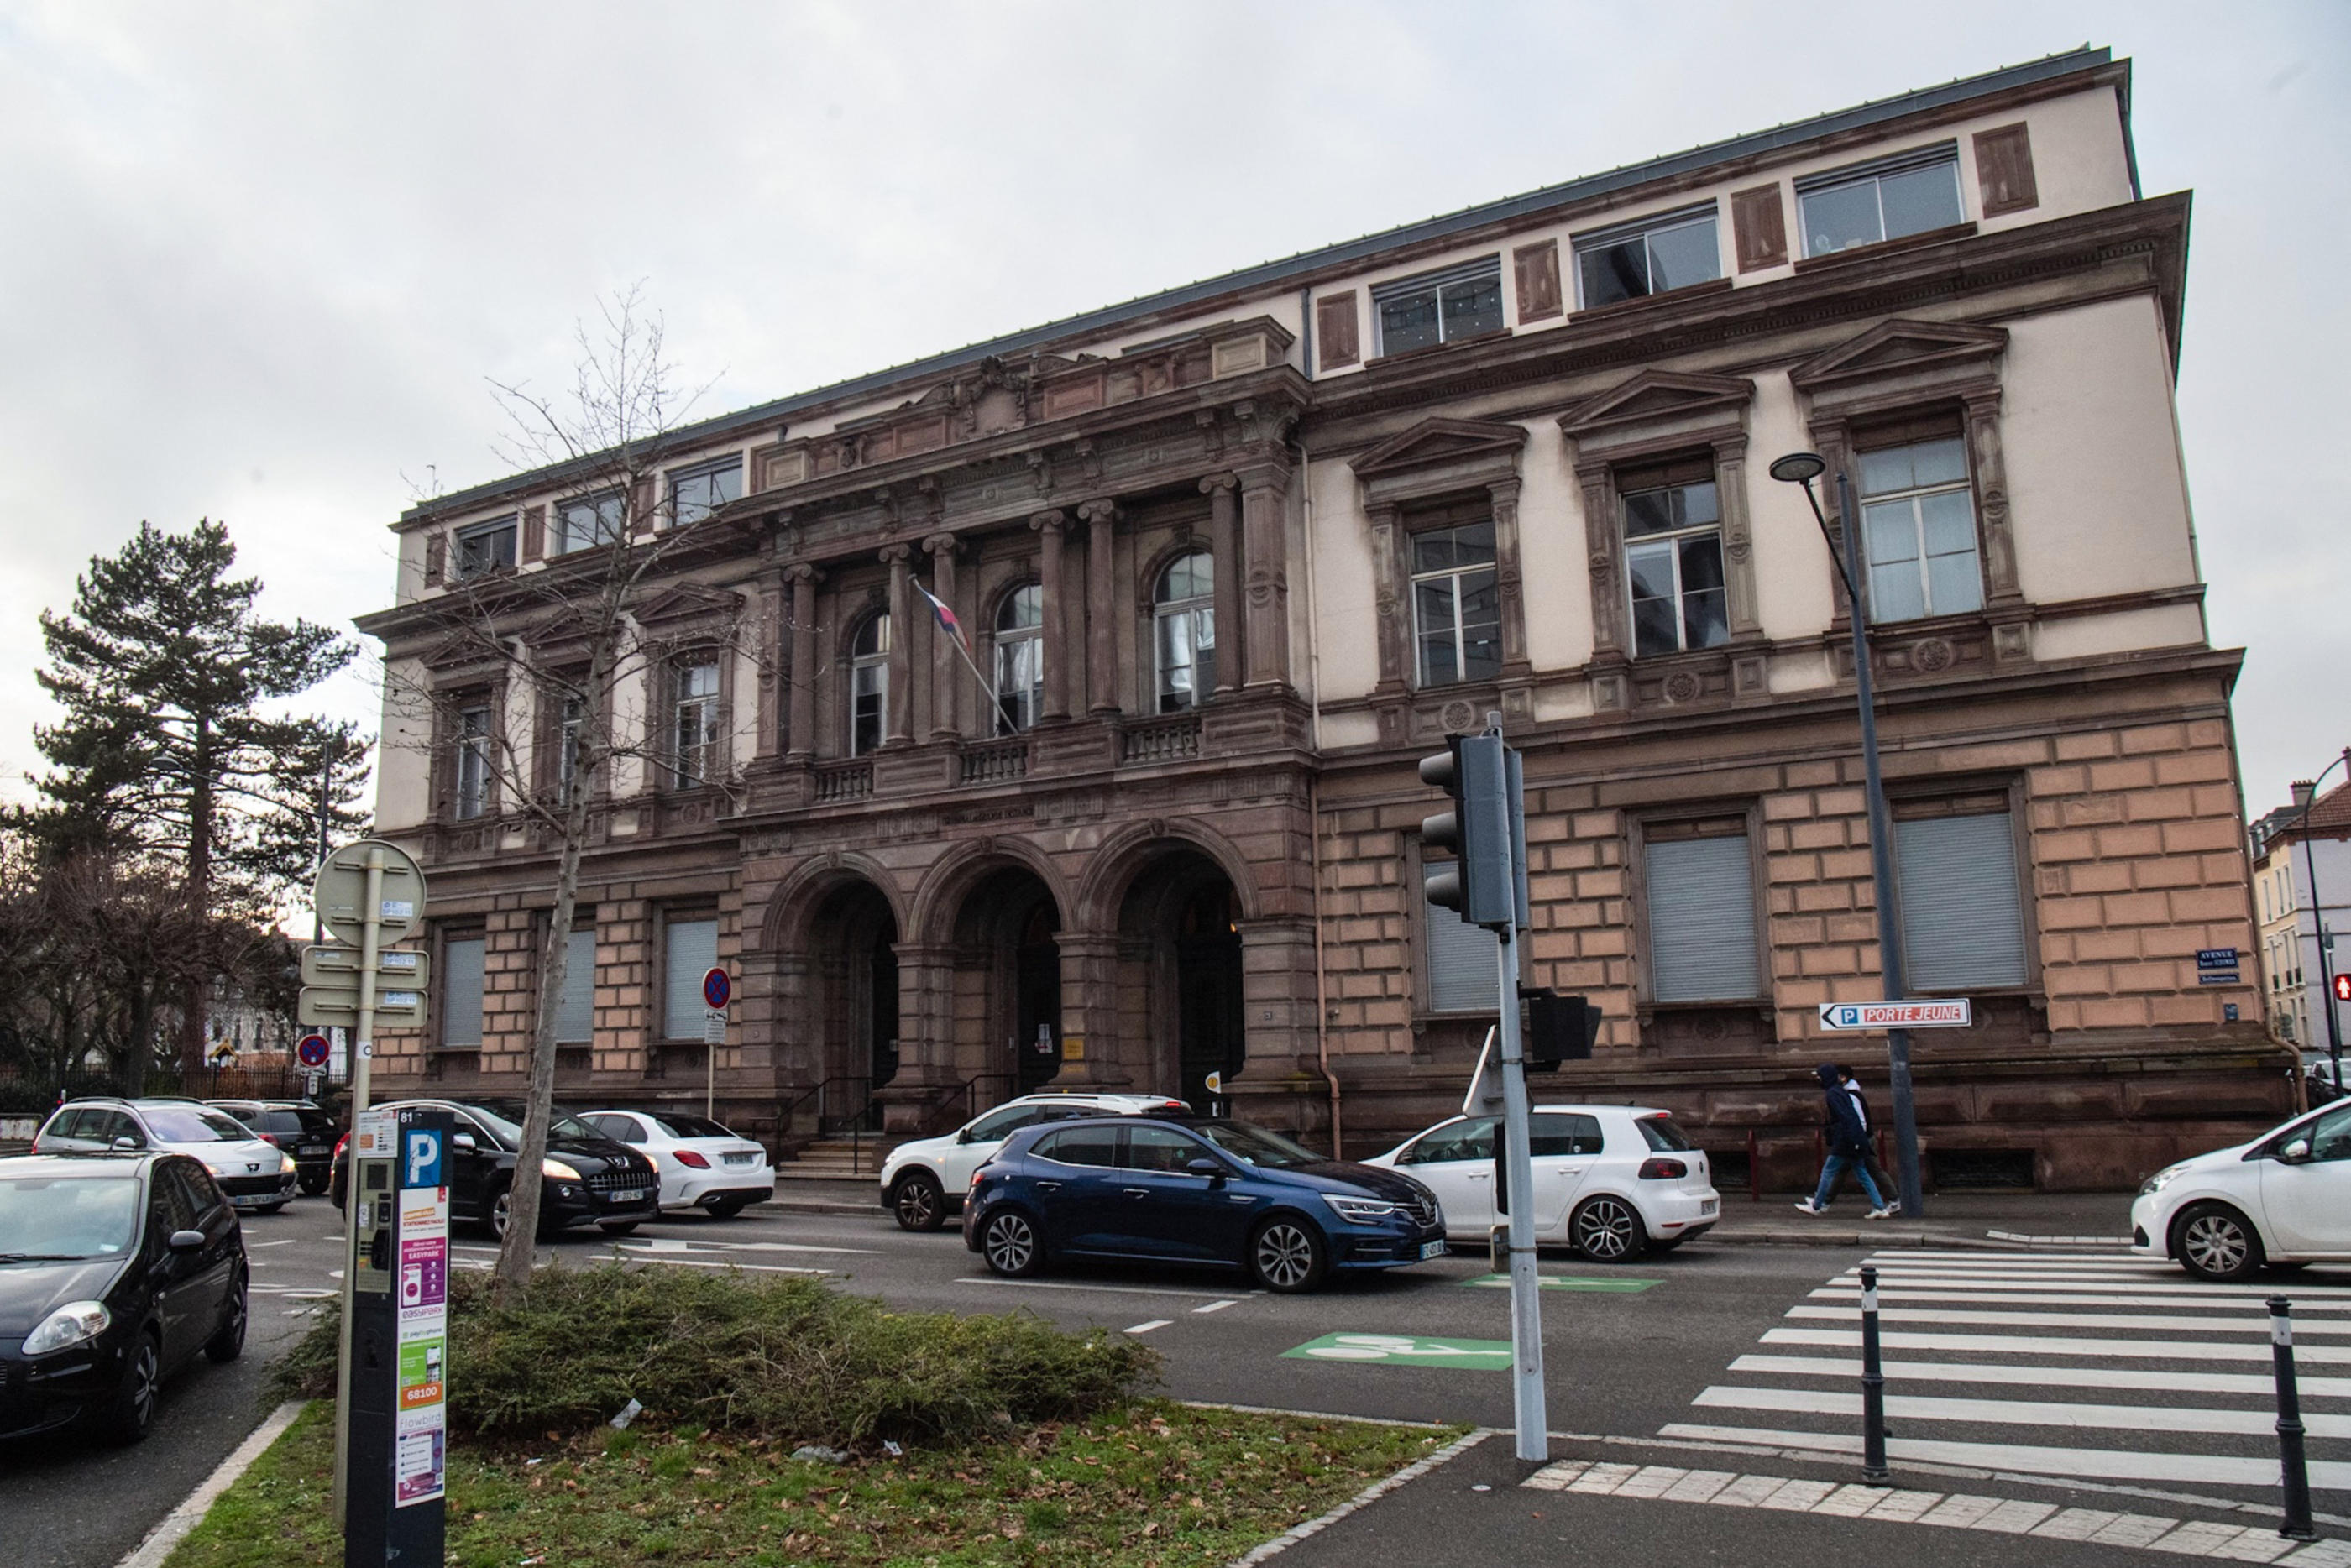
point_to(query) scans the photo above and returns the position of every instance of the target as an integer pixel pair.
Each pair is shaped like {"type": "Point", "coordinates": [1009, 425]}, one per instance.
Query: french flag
{"type": "Point", "coordinates": [946, 617]}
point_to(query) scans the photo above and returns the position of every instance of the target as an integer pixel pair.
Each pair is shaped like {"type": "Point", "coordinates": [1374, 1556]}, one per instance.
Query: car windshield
{"type": "Point", "coordinates": [689, 1127]}
{"type": "Point", "coordinates": [80, 1215]}
{"type": "Point", "coordinates": [1662, 1134]}
{"type": "Point", "coordinates": [1258, 1146]}
{"type": "Point", "coordinates": [503, 1118]}
{"type": "Point", "coordinates": [189, 1124]}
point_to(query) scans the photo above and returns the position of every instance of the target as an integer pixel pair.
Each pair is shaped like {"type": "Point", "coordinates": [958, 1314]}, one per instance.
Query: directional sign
{"type": "Point", "coordinates": [341, 892]}
{"type": "Point", "coordinates": [313, 1051]}
{"type": "Point", "coordinates": [716, 989]}
{"type": "Point", "coordinates": [1403, 1350]}
{"type": "Point", "coordinates": [1874, 1016]}
{"type": "Point", "coordinates": [393, 1007]}
{"type": "Point", "coordinates": [333, 967]}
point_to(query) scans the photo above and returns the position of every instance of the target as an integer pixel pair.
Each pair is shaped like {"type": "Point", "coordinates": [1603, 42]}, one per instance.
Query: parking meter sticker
{"type": "Point", "coordinates": [1405, 1350]}
{"type": "Point", "coordinates": [424, 1273]}
{"type": "Point", "coordinates": [424, 1212]}
{"type": "Point", "coordinates": [421, 1363]}
{"type": "Point", "coordinates": [419, 1459]}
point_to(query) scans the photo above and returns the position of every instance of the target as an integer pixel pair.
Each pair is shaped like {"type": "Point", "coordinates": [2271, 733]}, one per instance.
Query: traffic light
{"type": "Point", "coordinates": [1559, 1029]}
{"type": "Point", "coordinates": [1481, 884]}
{"type": "Point", "coordinates": [2343, 988]}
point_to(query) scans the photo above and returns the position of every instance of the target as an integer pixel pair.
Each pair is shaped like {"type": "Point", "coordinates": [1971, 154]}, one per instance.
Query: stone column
{"type": "Point", "coordinates": [896, 729]}
{"type": "Point", "coordinates": [1048, 526]}
{"type": "Point", "coordinates": [927, 1063]}
{"type": "Point", "coordinates": [1102, 625]}
{"type": "Point", "coordinates": [1992, 497]}
{"type": "Point", "coordinates": [1224, 542]}
{"type": "Point", "coordinates": [1280, 1084]}
{"type": "Point", "coordinates": [946, 674]}
{"type": "Point", "coordinates": [801, 741]}
{"type": "Point", "coordinates": [1266, 548]}
{"type": "Point", "coordinates": [1738, 540]}
{"type": "Point", "coordinates": [1508, 581]}
{"type": "Point", "coordinates": [1391, 605]}
{"type": "Point", "coordinates": [1090, 1046]}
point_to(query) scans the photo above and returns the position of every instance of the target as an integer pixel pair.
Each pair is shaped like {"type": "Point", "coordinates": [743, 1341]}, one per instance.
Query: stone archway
{"type": "Point", "coordinates": [853, 994]}
{"type": "Point", "coordinates": [1005, 1005]}
{"type": "Point", "coordinates": [1179, 978]}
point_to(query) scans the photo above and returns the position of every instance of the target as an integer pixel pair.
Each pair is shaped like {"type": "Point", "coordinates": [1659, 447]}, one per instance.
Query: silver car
{"type": "Point", "coordinates": [256, 1175]}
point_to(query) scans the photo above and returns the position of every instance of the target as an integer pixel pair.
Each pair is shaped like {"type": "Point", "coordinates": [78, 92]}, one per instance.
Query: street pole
{"type": "Point", "coordinates": [362, 1047]}
{"type": "Point", "coordinates": [2318, 923]}
{"type": "Point", "coordinates": [1518, 1175]}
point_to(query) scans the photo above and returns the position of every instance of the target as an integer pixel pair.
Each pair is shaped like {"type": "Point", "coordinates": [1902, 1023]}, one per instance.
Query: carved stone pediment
{"type": "Point", "coordinates": [459, 650]}
{"type": "Point", "coordinates": [1655, 396]}
{"type": "Point", "coordinates": [688, 602]}
{"type": "Point", "coordinates": [1900, 347]}
{"type": "Point", "coordinates": [1437, 443]}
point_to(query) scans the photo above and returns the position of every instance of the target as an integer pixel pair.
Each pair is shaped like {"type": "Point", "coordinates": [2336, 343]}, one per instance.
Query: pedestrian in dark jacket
{"type": "Point", "coordinates": [1848, 1141]}
{"type": "Point", "coordinates": [1869, 1165]}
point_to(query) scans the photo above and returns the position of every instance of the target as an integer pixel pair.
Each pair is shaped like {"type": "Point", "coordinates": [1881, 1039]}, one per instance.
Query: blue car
{"type": "Point", "coordinates": [1218, 1194]}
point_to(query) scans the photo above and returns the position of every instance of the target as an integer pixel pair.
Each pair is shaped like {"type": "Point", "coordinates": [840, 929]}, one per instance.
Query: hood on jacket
{"type": "Point", "coordinates": [1827, 1074]}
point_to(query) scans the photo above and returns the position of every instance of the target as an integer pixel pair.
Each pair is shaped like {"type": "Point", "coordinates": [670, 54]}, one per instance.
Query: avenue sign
{"type": "Point", "coordinates": [1870, 1016]}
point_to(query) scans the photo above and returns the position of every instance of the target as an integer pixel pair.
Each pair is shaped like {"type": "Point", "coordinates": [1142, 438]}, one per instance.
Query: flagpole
{"type": "Point", "coordinates": [995, 704]}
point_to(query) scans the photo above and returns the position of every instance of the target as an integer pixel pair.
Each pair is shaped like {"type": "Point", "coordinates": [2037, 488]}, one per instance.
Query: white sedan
{"type": "Point", "coordinates": [2284, 1197]}
{"type": "Point", "coordinates": [1612, 1181]}
{"type": "Point", "coordinates": [924, 1182]}
{"type": "Point", "coordinates": [702, 1164]}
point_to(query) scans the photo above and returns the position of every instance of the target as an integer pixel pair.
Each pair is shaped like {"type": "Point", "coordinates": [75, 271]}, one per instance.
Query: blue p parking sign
{"type": "Point", "coordinates": [420, 1158]}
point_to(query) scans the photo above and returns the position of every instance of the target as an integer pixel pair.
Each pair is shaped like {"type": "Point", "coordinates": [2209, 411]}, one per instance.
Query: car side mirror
{"type": "Point", "coordinates": [2296, 1153]}
{"type": "Point", "coordinates": [127, 1145]}
{"type": "Point", "coordinates": [462, 1140]}
{"type": "Point", "coordinates": [965, 1137]}
{"type": "Point", "coordinates": [1205, 1167]}
{"type": "Point", "coordinates": [186, 1242]}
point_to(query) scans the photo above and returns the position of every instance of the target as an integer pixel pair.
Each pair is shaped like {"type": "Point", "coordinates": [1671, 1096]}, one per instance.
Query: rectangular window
{"type": "Point", "coordinates": [473, 793]}
{"type": "Point", "coordinates": [1464, 973]}
{"type": "Point", "coordinates": [1651, 257]}
{"type": "Point", "coordinates": [1962, 923]}
{"type": "Point", "coordinates": [1446, 307]}
{"type": "Point", "coordinates": [697, 492]}
{"type": "Point", "coordinates": [1906, 194]}
{"type": "Point", "coordinates": [689, 951]}
{"type": "Point", "coordinates": [485, 548]}
{"type": "Point", "coordinates": [1673, 558]}
{"type": "Point", "coordinates": [1918, 522]}
{"type": "Point", "coordinates": [575, 1011]}
{"type": "Point", "coordinates": [696, 726]}
{"type": "Point", "coordinates": [461, 990]}
{"type": "Point", "coordinates": [1455, 606]}
{"type": "Point", "coordinates": [1702, 920]}
{"type": "Point", "coordinates": [587, 520]}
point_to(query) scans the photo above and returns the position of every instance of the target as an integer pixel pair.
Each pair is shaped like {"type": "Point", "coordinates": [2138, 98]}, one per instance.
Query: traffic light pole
{"type": "Point", "coordinates": [1518, 1174]}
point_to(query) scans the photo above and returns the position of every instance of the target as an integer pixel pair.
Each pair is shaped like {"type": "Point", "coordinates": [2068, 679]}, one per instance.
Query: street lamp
{"type": "Point", "coordinates": [2318, 921]}
{"type": "Point", "coordinates": [1802, 468]}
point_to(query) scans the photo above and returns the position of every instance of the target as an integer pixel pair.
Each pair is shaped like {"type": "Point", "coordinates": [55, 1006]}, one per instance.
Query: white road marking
{"type": "Point", "coordinates": [1147, 1328]}
{"type": "Point", "coordinates": [713, 1263]}
{"type": "Point", "coordinates": [2051, 1344]}
{"type": "Point", "coordinates": [1072, 1285]}
{"type": "Point", "coordinates": [2260, 1385]}
{"type": "Point", "coordinates": [2023, 1413]}
{"type": "Point", "coordinates": [2105, 1464]}
{"type": "Point", "coordinates": [1217, 1306]}
{"type": "Point", "coordinates": [2072, 1320]}
{"type": "Point", "coordinates": [1900, 1292]}
{"type": "Point", "coordinates": [281, 1241]}
{"type": "Point", "coordinates": [669, 1244]}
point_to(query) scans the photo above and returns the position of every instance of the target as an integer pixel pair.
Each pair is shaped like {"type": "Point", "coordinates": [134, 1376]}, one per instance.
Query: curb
{"type": "Point", "coordinates": [151, 1553]}
{"type": "Point", "coordinates": [1364, 1499]}
{"type": "Point", "coordinates": [1777, 1237]}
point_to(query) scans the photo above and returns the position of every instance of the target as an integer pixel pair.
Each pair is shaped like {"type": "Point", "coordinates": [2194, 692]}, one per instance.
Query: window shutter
{"type": "Point", "coordinates": [436, 557]}
{"type": "Point", "coordinates": [1962, 923]}
{"type": "Point", "coordinates": [575, 1012]}
{"type": "Point", "coordinates": [1335, 332]}
{"type": "Point", "coordinates": [534, 532]}
{"type": "Point", "coordinates": [1462, 973]}
{"type": "Point", "coordinates": [461, 991]}
{"type": "Point", "coordinates": [641, 502]}
{"type": "Point", "coordinates": [1537, 267]}
{"type": "Point", "coordinates": [1702, 920]}
{"type": "Point", "coordinates": [2005, 170]}
{"type": "Point", "coordinates": [692, 952]}
{"type": "Point", "coordinates": [1758, 226]}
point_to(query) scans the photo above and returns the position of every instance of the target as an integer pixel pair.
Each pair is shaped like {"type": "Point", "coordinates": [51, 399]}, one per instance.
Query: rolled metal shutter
{"type": "Point", "coordinates": [1462, 973]}
{"type": "Point", "coordinates": [1962, 923]}
{"type": "Point", "coordinates": [575, 1015]}
{"type": "Point", "coordinates": [1702, 920]}
{"type": "Point", "coordinates": [461, 991]}
{"type": "Point", "coordinates": [692, 951]}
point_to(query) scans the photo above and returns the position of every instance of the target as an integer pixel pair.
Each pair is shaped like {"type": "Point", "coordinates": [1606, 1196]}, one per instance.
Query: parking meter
{"type": "Point", "coordinates": [393, 1509]}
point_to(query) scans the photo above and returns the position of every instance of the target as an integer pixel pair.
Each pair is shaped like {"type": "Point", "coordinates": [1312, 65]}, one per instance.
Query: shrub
{"type": "Point", "coordinates": [789, 1359]}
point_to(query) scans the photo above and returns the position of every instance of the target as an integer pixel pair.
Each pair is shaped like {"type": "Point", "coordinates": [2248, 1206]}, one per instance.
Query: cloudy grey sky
{"type": "Point", "coordinates": [259, 260]}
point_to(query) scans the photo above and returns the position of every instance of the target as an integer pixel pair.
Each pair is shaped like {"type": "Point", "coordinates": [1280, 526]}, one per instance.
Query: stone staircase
{"type": "Point", "coordinates": [837, 1160]}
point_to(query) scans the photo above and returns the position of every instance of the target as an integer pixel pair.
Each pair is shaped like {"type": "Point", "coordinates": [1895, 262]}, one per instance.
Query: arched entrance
{"type": "Point", "coordinates": [853, 951]}
{"type": "Point", "coordinates": [1180, 975]}
{"type": "Point", "coordinates": [1008, 977]}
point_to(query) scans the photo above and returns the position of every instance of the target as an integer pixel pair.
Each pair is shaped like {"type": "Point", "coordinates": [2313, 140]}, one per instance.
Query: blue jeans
{"type": "Point", "coordinates": [1837, 1165]}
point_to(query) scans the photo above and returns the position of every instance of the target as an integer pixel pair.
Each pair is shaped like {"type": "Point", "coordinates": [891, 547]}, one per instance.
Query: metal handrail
{"type": "Point", "coordinates": [968, 1093]}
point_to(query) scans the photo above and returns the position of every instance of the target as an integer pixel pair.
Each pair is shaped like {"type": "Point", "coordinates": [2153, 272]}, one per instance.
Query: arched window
{"type": "Point", "coordinates": [1184, 631]}
{"type": "Point", "coordinates": [1020, 656]}
{"type": "Point", "coordinates": [869, 684]}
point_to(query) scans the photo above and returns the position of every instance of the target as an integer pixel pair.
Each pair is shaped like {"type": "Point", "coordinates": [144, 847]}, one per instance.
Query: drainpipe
{"type": "Point", "coordinates": [1314, 784]}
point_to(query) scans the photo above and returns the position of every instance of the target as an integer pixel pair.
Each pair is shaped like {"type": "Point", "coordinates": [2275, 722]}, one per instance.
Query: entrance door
{"type": "Point", "coordinates": [1037, 1010]}
{"type": "Point", "coordinates": [882, 1009]}
{"type": "Point", "coordinates": [1210, 1037]}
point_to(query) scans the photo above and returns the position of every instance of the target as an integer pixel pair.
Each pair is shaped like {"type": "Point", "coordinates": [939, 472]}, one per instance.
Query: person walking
{"type": "Point", "coordinates": [1869, 1165]}
{"type": "Point", "coordinates": [1848, 1141]}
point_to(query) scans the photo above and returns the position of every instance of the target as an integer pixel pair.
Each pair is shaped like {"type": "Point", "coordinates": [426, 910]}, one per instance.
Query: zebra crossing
{"type": "Point", "coordinates": [2066, 1365]}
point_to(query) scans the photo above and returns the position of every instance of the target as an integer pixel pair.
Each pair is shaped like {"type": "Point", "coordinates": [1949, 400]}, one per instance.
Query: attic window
{"type": "Point", "coordinates": [697, 492]}
{"type": "Point", "coordinates": [1653, 255]}
{"type": "Point", "coordinates": [1909, 193]}
{"type": "Point", "coordinates": [1461, 302]}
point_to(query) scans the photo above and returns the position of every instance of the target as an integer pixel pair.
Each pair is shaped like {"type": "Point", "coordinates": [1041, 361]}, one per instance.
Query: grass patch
{"type": "Point", "coordinates": [1144, 1485]}
{"type": "Point", "coordinates": [787, 1359]}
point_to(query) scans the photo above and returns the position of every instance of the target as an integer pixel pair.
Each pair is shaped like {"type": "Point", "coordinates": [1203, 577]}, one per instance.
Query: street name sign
{"type": "Point", "coordinates": [2217, 966]}
{"type": "Point", "coordinates": [330, 967]}
{"type": "Point", "coordinates": [341, 892]}
{"type": "Point", "coordinates": [392, 1006]}
{"type": "Point", "coordinates": [1871, 1017]}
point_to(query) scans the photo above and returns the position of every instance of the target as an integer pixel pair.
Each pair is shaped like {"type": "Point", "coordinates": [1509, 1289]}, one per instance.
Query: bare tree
{"type": "Point", "coordinates": [568, 642]}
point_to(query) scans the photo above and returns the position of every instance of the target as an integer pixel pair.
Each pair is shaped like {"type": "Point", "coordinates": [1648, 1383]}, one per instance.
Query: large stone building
{"type": "Point", "coordinates": [2293, 845]}
{"type": "Point", "coordinates": [1236, 554]}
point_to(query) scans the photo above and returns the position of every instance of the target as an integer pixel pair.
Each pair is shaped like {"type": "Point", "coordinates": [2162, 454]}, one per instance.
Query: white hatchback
{"type": "Point", "coordinates": [2284, 1197]}
{"type": "Point", "coordinates": [702, 1164]}
{"type": "Point", "coordinates": [924, 1182]}
{"type": "Point", "coordinates": [1612, 1181]}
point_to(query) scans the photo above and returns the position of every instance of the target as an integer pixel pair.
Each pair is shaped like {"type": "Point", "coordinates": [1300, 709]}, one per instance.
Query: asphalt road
{"type": "Point", "coordinates": [1628, 1352]}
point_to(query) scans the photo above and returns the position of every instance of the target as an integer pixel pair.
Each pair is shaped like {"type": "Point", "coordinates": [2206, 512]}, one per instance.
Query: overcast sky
{"type": "Point", "coordinates": [257, 261]}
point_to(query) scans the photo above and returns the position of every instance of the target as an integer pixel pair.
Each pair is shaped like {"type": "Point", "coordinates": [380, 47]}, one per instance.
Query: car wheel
{"type": "Point", "coordinates": [622, 1229]}
{"type": "Point", "coordinates": [2213, 1241]}
{"type": "Point", "coordinates": [1011, 1244]}
{"type": "Point", "coordinates": [131, 1411]}
{"type": "Point", "coordinates": [1608, 1230]}
{"type": "Point", "coordinates": [723, 1208]}
{"type": "Point", "coordinates": [229, 1344]}
{"type": "Point", "coordinates": [269, 1209]}
{"type": "Point", "coordinates": [313, 1185]}
{"type": "Point", "coordinates": [918, 1203]}
{"type": "Point", "coordinates": [1287, 1255]}
{"type": "Point", "coordinates": [501, 1210]}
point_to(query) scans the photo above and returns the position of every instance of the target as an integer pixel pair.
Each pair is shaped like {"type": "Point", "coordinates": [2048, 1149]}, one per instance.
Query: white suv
{"type": "Point", "coordinates": [1612, 1181]}
{"type": "Point", "coordinates": [922, 1182]}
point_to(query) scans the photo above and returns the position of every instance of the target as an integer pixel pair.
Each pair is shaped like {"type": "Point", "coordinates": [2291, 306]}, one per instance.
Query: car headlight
{"type": "Point", "coordinates": [556, 1170]}
{"type": "Point", "coordinates": [1360, 1210]}
{"type": "Point", "coordinates": [286, 1166]}
{"type": "Point", "coordinates": [72, 1323]}
{"type": "Point", "coordinates": [217, 1170]}
{"type": "Point", "coordinates": [2161, 1179]}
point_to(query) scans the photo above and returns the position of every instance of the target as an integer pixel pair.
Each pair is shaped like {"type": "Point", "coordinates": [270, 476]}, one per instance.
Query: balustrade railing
{"type": "Point", "coordinates": [843, 780]}
{"type": "Point", "coordinates": [997, 761]}
{"type": "Point", "coordinates": [1160, 739]}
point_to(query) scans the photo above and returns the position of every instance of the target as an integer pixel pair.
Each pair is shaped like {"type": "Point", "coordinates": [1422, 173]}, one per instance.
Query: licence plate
{"type": "Point", "coordinates": [630, 1195]}
{"type": "Point", "coordinates": [1431, 1250]}
{"type": "Point", "coordinates": [741, 1158]}
{"type": "Point", "coordinates": [312, 1148]}
{"type": "Point", "coordinates": [1710, 1206]}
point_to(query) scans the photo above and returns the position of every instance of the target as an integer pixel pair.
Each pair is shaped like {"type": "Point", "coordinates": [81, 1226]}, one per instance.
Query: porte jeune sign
{"type": "Point", "coordinates": [1874, 1016]}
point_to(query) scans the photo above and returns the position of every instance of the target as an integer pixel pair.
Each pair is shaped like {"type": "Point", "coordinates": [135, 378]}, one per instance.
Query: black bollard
{"type": "Point", "coordinates": [1873, 1392]}
{"type": "Point", "coordinates": [2297, 1525]}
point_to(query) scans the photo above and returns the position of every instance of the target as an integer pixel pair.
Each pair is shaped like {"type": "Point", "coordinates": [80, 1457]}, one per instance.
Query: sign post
{"type": "Point", "coordinates": [718, 991]}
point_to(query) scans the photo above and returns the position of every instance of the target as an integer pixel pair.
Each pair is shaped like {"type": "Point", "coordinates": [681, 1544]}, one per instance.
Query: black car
{"type": "Point", "coordinates": [1214, 1193]}
{"type": "Point", "coordinates": [306, 1131]}
{"type": "Point", "coordinates": [115, 1271]}
{"type": "Point", "coordinates": [587, 1179]}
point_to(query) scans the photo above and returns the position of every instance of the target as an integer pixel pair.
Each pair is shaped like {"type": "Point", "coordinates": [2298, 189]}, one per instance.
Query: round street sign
{"type": "Point", "coordinates": [341, 892]}
{"type": "Point", "coordinates": [716, 988]}
{"type": "Point", "coordinates": [313, 1051]}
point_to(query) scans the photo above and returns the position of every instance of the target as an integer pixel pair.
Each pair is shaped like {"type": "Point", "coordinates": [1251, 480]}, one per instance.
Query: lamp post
{"type": "Point", "coordinates": [1802, 468]}
{"type": "Point", "coordinates": [2318, 923]}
